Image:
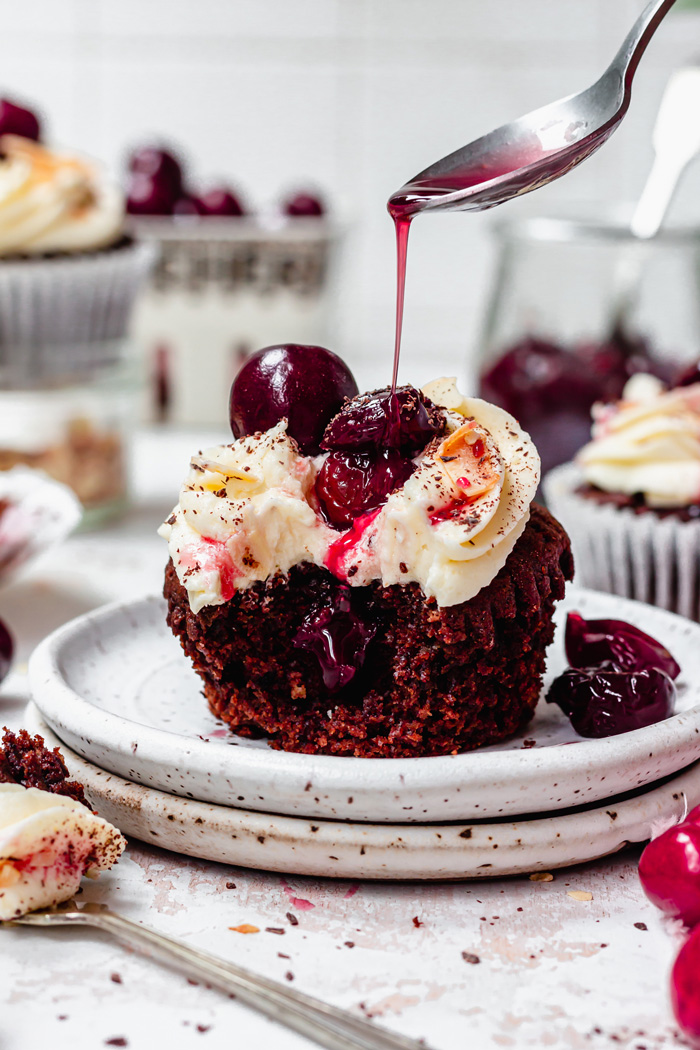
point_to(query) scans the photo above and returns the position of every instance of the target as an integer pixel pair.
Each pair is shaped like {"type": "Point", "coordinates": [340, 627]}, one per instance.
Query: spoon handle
{"type": "Point", "coordinates": [331, 1027]}
{"type": "Point", "coordinates": [636, 41]}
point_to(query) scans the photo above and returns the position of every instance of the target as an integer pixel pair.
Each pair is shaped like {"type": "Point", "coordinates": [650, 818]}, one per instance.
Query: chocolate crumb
{"type": "Point", "coordinates": [116, 978]}
{"type": "Point", "coordinates": [292, 919]}
{"type": "Point", "coordinates": [274, 929]}
{"type": "Point", "coordinates": [641, 926]}
{"type": "Point", "coordinates": [349, 944]}
{"type": "Point", "coordinates": [470, 957]}
{"type": "Point", "coordinates": [203, 1027]}
{"type": "Point", "coordinates": [281, 955]}
{"type": "Point", "coordinates": [289, 975]}
{"type": "Point", "coordinates": [117, 1040]}
{"type": "Point", "coordinates": [230, 885]}
{"type": "Point", "coordinates": [416, 922]}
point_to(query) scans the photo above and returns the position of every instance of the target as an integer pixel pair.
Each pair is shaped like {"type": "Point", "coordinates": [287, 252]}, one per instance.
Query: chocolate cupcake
{"type": "Point", "coordinates": [68, 273]}
{"type": "Point", "coordinates": [631, 500]}
{"type": "Point", "coordinates": [391, 596]}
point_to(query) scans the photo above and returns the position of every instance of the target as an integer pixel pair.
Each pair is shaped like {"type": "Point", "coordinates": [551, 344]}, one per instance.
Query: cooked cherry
{"type": "Point", "coordinates": [351, 483]}
{"type": "Point", "coordinates": [405, 420]}
{"type": "Point", "coordinates": [15, 120]}
{"type": "Point", "coordinates": [338, 637]}
{"type": "Point", "coordinates": [220, 201]}
{"type": "Point", "coordinates": [160, 165]}
{"type": "Point", "coordinates": [669, 870]}
{"type": "Point", "coordinates": [685, 987]}
{"type": "Point", "coordinates": [304, 206]}
{"type": "Point", "coordinates": [603, 701]}
{"type": "Point", "coordinates": [304, 384]}
{"type": "Point", "coordinates": [145, 195]}
{"type": "Point", "coordinates": [689, 375]}
{"type": "Point", "coordinates": [590, 642]}
{"type": "Point", "coordinates": [7, 650]}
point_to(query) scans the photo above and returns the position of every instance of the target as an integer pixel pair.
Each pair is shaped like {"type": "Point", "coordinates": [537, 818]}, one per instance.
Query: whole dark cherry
{"type": "Point", "coordinates": [7, 650]}
{"type": "Point", "coordinates": [590, 642]}
{"type": "Point", "coordinates": [405, 420]}
{"type": "Point", "coordinates": [304, 384]}
{"type": "Point", "coordinates": [145, 195]}
{"type": "Point", "coordinates": [303, 206]}
{"type": "Point", "coordinates": [604, 700]}
{"type": "Point", "coordinates": [15, 120]}
{"type": "Point", "coordinates": [220, 201]}
{"type": "Point", "coordinates": [688, 375]}
{"type": "Point", "coordinates": [161, 165]}
{"type": "Point", "coordinates": [669, 870]}
{"type": "Point", "coordinates": [352, 483]}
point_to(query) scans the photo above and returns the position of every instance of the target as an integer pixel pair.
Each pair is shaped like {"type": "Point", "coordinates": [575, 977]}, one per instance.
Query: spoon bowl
{"type": "Point", "coordinates": [539, 147]}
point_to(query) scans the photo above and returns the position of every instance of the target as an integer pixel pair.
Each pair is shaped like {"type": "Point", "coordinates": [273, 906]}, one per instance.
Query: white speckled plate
{"type": "Point", "coordinates": [377, 851]}
{"type": "Point", "coordinates": [115, 686]}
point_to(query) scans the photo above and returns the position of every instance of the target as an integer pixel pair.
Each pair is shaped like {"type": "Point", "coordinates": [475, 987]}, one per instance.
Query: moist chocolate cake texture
{"type": "Point", "coordinates": [25, 760]}
{"type": "Point", "coordinates": [434, 680]}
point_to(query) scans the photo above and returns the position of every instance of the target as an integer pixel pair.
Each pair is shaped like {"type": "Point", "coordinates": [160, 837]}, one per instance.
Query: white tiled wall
{"type": "Point", "coordinates": [356, 95]}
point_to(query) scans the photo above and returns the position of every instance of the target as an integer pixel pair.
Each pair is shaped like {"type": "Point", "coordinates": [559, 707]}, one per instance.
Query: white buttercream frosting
{"type": "Point", "coordinates": [47, 843]}
{"type": "Point", "coordinates": [248, 509]}
{"type": "Point", "coordinates": [648, 443]}
{"type": "Point", "coordinates": [54, 202]}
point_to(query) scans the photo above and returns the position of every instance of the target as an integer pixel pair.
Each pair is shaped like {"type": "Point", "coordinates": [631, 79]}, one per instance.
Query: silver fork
{"type": "Point", "coordinates": [327, 1025]}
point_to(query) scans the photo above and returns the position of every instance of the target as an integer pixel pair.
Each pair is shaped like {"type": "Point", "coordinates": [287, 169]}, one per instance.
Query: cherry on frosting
{"type": "Point", "coordinates": [590, 642]}
{"type": "Point", "coordinates": [303, 206]}
{"type": "Point", "coordinates": [304, 384]}
{"type": "Point", "coordinates": [338, 637]}
{"type": "Point", "coordinates": [15, 120]}
{"type": "Point", "coordinates": [405, 420]}
{"type": "Point", "coordinates": [7, 650]}
{"type": "Point", "coordinates": [220, 201]}
{"type": "Point", "coordinates": [604, 700]}
{"type": "Point", "coordinates": [351, 483]}
{"type": "Point", "coordinates": [669, 871]}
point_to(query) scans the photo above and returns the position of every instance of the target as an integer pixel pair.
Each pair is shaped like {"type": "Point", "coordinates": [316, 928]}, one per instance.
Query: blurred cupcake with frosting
{"type": "Point", "coordinates": [68, 273]}
{"type": "Point", "coordinates": [631, 500]}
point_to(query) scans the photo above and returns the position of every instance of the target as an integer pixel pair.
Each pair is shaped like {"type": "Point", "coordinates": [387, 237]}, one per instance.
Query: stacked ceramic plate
{"type": "Point", "coordinates": [114, 689]}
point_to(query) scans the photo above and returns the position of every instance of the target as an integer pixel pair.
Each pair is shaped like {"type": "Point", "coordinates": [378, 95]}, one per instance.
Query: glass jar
{"type": "Point", "coordinates": [77, 431]}
{"type": "Point", "coordinates": [553, 340]}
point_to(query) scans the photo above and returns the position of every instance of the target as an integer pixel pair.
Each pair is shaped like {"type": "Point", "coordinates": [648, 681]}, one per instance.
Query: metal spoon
{"type": "Point", "coordinates": [537, 148]}
{"type": "Point", "coordinates": [327, 1025]}
{"type": "Point", "coordinates": [676, 141]}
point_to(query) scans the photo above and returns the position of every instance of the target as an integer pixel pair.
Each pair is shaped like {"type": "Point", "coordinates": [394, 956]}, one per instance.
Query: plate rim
{"type": "Point", "coordinates": [64, 709]}
{"type": "Point", "coordinates": [583, 828]}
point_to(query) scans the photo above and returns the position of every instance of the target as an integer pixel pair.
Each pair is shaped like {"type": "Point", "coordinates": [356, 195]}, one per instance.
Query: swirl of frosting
{"type": "Point", "coordinates": [248, 509]}
{"type": "Point", "coordinates": [52, 202]}
{"type": "Point", "coordinates": [648, 443]}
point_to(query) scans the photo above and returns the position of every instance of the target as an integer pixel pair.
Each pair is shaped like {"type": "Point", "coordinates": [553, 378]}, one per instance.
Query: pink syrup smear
{"type": "Point", "coordinates": [351, 891]}
{"type": "Point", "coordinates": [296, 902]}
{"type": "Point", "coordinates": [212, 556]}
{"type": "Point", "coordinates": [338, 552]}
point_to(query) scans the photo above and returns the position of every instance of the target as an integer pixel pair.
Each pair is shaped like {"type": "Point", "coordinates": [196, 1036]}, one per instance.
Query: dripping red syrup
{"type": "Point", "coordinates": [339, 551]}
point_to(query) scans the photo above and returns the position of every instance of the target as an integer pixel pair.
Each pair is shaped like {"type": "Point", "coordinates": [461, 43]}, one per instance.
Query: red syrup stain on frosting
{"type": "Point", "coordinates": [212, 556]}
{"type": "Point", "coordinates": [339, 551]}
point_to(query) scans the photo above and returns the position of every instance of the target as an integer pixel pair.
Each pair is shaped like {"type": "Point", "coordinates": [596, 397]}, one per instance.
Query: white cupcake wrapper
{"type": "Point", "coordinates": [642, 556]}
{"type": "Point", "coordinates": [42, 513]}
{"type": "Point", "coordinates": [63, 315]}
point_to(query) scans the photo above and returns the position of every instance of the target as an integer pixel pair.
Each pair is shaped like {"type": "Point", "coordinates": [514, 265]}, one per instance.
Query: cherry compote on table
{"type": "Point", "coordinates": [621, 678]}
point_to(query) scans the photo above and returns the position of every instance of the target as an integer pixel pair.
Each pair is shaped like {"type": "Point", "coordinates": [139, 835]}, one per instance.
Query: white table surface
{"type": "Point", "coordinates": [552, 972]}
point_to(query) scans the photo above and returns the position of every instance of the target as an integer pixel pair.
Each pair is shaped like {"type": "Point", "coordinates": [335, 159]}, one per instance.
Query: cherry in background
{"type": "Point", "coordinates": [155, 182]}
{"type": "Point", "coordinates": [304, 384]}
{"type": "Point", "coordinates": [15, 120]}
{"type": "Point", "coordinates": [220, 201]}
{"type": "Point", "coordinates": [6, 650]}
{"type": "Point", "coordinates": [303, 206]}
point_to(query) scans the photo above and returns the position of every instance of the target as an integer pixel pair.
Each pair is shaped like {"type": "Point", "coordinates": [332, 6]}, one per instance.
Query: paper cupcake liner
{"type": "Point", "coordinates": [642, 556]}
{"type": "Point", "coordinates": [66, 314]}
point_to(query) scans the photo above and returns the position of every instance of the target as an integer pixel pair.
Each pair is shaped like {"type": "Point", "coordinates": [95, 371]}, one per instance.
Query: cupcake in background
{"type": "Point", "coordinates": [631, 500]}
{"type": "Point", "coordinates": [68, 273]}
